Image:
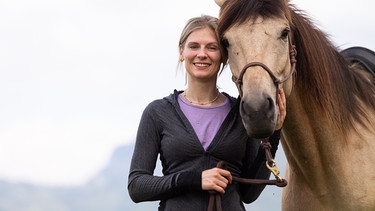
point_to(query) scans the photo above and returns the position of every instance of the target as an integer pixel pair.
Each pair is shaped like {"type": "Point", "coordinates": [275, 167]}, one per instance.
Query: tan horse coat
{"type": "Point", "coordinates": [329, 131]}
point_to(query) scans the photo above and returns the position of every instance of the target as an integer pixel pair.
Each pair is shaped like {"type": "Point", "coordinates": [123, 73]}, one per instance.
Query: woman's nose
{"type": "Point", "coordinates": [202, 53]}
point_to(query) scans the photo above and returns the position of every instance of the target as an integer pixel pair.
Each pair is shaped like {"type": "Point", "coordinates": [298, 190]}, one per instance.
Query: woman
{"type": "Point", "coordinates": [193, 130]}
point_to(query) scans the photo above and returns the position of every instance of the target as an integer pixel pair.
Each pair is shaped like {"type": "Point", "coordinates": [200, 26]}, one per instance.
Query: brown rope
{"type": "Point", "coordinates": [214, 203]}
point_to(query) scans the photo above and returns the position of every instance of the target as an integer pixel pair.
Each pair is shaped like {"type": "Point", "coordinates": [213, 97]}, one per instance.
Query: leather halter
{"type": "Point", "coordinates": [276, 81]}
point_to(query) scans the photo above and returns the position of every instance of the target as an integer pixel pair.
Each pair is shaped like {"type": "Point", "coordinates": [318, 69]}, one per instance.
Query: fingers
{"type": "Point", "coordinates": [282, 101]}
{"type": "Point", "coordinates": [282, 108]}
{"type": "Point", "coordinates": [216, 179]}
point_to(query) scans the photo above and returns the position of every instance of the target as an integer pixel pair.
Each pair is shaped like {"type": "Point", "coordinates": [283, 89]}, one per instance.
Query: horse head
{"type": "Point", "coordinates": [259, 48]}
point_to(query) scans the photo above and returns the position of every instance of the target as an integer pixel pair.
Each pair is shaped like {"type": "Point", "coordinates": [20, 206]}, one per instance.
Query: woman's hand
{"type": "Point", "coordinates": [216, 179]}
{"type": "Point", "coordinates": [282, 109]}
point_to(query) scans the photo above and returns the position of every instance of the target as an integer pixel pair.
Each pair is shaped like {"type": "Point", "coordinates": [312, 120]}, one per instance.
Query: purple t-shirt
{"type": "Point", "coordinates": [206, 120]}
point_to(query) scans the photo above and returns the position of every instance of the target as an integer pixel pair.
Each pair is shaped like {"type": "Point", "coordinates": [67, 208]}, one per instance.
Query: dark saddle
{"type": "Point", "coordinates": [362, 56]}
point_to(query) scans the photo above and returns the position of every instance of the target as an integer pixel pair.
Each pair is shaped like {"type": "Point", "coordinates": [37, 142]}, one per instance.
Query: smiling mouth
{"type": "Point", "coordinates": [201, 65]}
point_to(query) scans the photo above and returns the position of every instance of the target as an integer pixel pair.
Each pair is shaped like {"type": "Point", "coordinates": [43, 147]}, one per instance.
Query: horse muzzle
{"type": "Point", "coordinates": [259, 115]}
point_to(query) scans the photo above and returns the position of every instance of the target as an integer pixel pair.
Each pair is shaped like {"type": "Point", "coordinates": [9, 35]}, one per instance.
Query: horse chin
{"type": "Point", "coordinates": [254, 131]}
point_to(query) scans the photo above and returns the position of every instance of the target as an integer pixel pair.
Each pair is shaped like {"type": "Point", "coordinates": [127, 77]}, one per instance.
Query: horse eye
{"type": "Point", "coordinates": [284, 33]}
{"type": "Point", "coordinates": [225, 43]}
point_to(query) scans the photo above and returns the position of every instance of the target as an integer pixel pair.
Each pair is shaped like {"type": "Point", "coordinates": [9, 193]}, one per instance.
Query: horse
{"type": "Point", "coordinates": [328, 134]}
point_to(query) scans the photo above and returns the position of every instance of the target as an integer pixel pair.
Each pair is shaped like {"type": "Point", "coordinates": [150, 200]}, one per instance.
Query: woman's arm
{"type": "Point", "coordinates": [142, 184]}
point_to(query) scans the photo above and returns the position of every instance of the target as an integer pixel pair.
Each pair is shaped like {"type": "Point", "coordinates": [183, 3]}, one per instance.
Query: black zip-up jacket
{"type": "Point", "coordinates": [165, 130]}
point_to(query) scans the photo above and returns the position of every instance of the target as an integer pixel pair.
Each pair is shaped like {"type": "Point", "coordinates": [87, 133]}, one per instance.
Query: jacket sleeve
{"type": "Point", "coordinates": [255, 168]}
{"type": "Point", "coordinates": [142, 184]}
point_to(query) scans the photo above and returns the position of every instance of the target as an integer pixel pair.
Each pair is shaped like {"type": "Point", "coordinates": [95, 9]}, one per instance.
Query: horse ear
{"type": "Point", "coordinates": [220, 2]}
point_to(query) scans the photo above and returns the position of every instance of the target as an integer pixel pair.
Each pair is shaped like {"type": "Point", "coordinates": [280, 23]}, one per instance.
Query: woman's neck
{"type": "Point", "coordinates": [202, 93]}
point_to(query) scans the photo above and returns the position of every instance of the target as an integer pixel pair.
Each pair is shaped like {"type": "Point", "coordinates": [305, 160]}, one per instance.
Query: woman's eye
{"type": "Point", "coordinates": [194, 47]}
{"type": "Point", "coordinates": [212, 48]}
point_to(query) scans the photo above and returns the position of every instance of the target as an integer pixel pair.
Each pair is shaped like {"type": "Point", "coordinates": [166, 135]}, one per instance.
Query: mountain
{"type": "Point", "coordinates": [107, 191]}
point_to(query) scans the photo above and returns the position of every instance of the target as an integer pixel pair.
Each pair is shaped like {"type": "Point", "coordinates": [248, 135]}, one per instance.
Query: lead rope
{"type": "Point", "coordinates": [214, 203]}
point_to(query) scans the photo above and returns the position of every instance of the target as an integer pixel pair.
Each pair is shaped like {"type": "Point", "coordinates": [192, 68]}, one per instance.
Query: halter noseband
{"type": "Point", "coordinates": [276, 81]}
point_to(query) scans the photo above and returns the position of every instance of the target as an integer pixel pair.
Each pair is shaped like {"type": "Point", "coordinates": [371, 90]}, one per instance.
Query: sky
{"type": "Point", "coordinates": [75, 75]}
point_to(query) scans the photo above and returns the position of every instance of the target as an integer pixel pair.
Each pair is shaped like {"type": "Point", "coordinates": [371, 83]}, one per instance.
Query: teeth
{"type": "Point", "coordinates": [201, 65]}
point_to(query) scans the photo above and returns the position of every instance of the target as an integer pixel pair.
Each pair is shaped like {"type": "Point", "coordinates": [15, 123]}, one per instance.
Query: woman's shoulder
{"type": "Point", "coordinates": [230, 97]}
{"type": "Point", "coordinates": [233, 101]}
{"type": "Point", "coordinates": [164, 102]}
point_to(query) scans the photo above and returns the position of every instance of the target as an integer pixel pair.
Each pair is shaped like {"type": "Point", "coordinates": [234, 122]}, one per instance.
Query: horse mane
{"type": "Point", "coordinates": [324, 77]}
{"type": "Point", "coordinates": [238, 11]}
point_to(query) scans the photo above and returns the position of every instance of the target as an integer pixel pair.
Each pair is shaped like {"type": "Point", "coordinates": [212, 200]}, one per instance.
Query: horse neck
{"type": "Point", "coordinates": [310, 144]}
{"type": "Point", "coordinates": [319, 152]}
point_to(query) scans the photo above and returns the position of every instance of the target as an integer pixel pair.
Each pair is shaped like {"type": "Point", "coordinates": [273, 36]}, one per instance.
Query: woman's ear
{"type": "Point", "coordinates": [181, 56]}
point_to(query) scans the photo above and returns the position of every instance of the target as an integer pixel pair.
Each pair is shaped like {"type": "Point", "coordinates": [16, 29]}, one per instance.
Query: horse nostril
{"type": "Point", "coordinates": [269, 103]}
{"type": "Point", "coordinates": [242, 105]}
{"type": "Point", "coordinates": [246, 110]}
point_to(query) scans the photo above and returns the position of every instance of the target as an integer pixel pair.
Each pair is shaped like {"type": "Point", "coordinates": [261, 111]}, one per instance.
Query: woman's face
{"type": "Point", "coordinates": [201, 54]}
